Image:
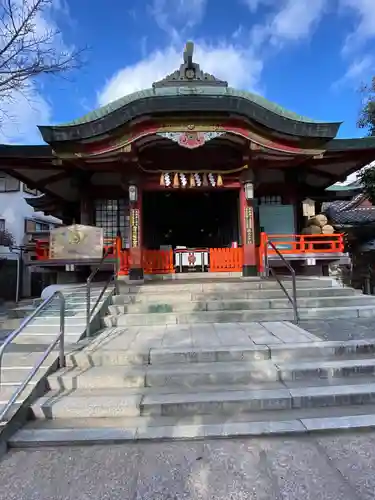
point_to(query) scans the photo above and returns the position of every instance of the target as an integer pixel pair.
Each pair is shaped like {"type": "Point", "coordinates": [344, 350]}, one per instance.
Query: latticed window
{"type": "Point", "coordinates": [270, 200]}
{"type": "Point", "coordinates": [112, 215]}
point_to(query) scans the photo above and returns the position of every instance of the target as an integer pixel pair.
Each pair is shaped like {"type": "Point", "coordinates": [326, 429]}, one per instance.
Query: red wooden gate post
{"type": "Point", "coordinates": [249, 267]}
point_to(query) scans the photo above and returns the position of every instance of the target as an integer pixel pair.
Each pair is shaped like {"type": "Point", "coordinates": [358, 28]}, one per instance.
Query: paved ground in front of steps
{"type": "Point", "coordinates": [341, 329]}
{"type": "Point", "coordinates": [329, 467]}
{"type": "Point", "coordinates": [142, 338]}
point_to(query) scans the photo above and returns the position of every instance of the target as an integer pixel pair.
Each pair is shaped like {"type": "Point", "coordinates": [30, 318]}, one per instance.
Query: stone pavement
{"type": "Point", "coordinates": [142, 338]}
{"type": "Point", "coordinates": [330, 467]}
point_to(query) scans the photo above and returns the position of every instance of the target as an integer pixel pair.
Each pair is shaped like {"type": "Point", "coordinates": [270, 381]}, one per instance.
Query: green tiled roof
{"type": "Point", "coordinates": [174, 91]}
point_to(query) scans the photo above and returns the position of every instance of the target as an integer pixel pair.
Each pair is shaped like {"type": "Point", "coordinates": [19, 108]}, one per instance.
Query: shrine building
{"type": "Point", "coordinates": [190, 175]}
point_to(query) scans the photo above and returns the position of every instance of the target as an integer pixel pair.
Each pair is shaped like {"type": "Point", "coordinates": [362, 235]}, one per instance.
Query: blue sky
{"type": "Point", "coordinates": [309, 56]}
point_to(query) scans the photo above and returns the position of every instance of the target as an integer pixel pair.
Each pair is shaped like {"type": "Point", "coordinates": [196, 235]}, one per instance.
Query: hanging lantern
{"type": "Point", "coordinates": [176, 182]}
{"type": "Point", "coordinates": [211, 179]}
{"type": "Point", "coordinates": [198, 180]}
{"type": "Point", "coordinates": [167, 180]}
{"type": "Point", "coordinates": [183, 180]}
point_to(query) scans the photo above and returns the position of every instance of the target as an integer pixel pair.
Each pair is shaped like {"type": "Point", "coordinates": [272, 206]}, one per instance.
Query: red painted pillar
{"type": "Point", "coordinates": [250, 267]}
{"type": "Point", "coordinates": [135, 251]}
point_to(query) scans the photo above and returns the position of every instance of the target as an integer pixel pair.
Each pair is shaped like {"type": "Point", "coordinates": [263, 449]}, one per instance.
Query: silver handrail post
{"type": "Point", "coordinates": [62, 361]}
{"type": "Point", "coordinates": [88, 307]}
{"type": "Point", "coordinates": [292, 300]}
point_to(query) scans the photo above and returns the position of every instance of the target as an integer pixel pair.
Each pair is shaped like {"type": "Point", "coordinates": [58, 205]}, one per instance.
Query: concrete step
{"type": "Point", "coordinates": [75, 327]}
{"type": "Point", "coordinates": [13, 376]}
{"type": "Point", "coordinates": [241, 305]}
{"type": "Point", "coordinates": [278, 353]}
{"type": "Point", "coordinates": [171, 375]}
{"type": "Point", "coordinates": [226, 285]}
{"type": "Point", "coordinates": [191, 375]}
{"type": "Point", "coordinates": [120, 403]}
{"type": "Point", "coordinates": [328, 369]}
{"type": "Point", "coordinates": [181, 297]}
{"type": "Point", "coordinates": [180, 355]}
{"type": "Point", "coordinates": [262, 315]}
{"type": "Point", "coordinates": [90, 431]}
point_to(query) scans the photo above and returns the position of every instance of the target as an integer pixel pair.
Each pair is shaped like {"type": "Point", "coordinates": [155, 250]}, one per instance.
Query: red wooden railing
{"type": "Point", "coordinates": [298, 244]}
{"type": "Point", "coordinates": [226, 259]}
{"type": "Point", "coordinates": [158, 262]}
{"type": "Point", "coordinates": [221, 259]}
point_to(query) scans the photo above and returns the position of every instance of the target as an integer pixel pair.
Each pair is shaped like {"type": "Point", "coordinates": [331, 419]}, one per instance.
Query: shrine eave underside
{"type": "Point", "coordinates": [147, 102]}
{"type": "Point", "coordinates": [44, 152]}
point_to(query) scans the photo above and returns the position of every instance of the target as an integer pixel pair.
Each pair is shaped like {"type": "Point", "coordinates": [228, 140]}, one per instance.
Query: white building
{"type": "Point", "coordinates": [18, 217]}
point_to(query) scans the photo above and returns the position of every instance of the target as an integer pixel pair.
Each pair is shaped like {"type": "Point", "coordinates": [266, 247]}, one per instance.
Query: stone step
{"type": "Point", "coordinates": [226, 285]}
{"type": "Point", "coordinates": [111, 403]}
{"type": "Point", "coordinates": [90, 431]}
{"type": "Point", "coordinates": [279, 352]}
{"type": "Point", "coordinates": [182, 297]}
{"type": "Point", "coordinates": [164, 306]}
{"type": "Point", "coordinates": [171, 375]}
{"type": "Point", "coordinates": [328, 369]}
{"type": "Point", "coordinates": [13, 376]}
{"type": "Point", "coordinates": [263, 315]}
{"type": "Point", "coordinates": [181, 355]}
{"type": "Point", "coordinates": [234, 402]}
{"type": "Point", "coordinates": [192, 375]}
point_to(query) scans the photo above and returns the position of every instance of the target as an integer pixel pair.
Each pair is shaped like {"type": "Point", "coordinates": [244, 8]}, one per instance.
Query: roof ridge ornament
{"type": "Point", "coordinates": [189, 73]}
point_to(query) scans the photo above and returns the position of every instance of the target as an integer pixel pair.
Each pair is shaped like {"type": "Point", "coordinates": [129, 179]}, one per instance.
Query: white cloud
{"type": "Point", "coordinates": [176, 16]}
{"type": "Point", "coordinates": [365, 29]}
{"type": "Point", "coordinates": [21, 115]}
{"type": "Point", "coordinates": [357, 71]}
{"type": "Point", "coordinates": [291, 21]}
{"type": "Point", "coordinates": [241, 69]}
{"type": "Point", "coordinates": [296, 19]}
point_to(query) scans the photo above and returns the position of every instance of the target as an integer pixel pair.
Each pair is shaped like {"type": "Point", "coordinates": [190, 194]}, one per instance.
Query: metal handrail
{"type": "Point", "coordinates": [292, 300]}
{"type": "Point", "coordinates": [89, 309]}
{"type": "Point", "coordinates": [60, 339]}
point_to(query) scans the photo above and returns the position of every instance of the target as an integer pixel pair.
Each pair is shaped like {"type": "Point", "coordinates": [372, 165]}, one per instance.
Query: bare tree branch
{"type": "Point", "coordinates": [29, 48]}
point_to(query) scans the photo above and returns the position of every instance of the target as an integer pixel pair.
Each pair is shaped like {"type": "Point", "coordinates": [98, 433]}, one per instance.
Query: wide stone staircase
{"type": "Point", "coordinates": [234, 300]}
{"type": "Point", "coordinates": [185, 360]}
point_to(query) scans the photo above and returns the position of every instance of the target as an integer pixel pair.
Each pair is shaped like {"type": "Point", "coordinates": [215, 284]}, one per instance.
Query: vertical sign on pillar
{"type": "Point", "coordinates": [247, 229]}
{"type": "Point", "coordinates": [135, 264]}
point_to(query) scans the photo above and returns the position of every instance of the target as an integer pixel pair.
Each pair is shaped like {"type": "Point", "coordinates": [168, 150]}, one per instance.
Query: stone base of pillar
{"type": "Point", "coordinates": [136, 274]}
{"type": "Point", "coordinates": [248, 270]}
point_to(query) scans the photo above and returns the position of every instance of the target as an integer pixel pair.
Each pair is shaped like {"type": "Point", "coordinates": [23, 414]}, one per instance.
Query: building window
{"type": "Point", "coordinates": [2, 224]}
{"type": "Point", "coordinates": [8, 183]}
{"type": "Point", "coordinates": [270, 200]}
{"type": "Point", "coordinates": [28, 190]}
{"type": "Point", "coordinates": [112, 215]}
{"type": "Point", "coordinates": [32, 226]}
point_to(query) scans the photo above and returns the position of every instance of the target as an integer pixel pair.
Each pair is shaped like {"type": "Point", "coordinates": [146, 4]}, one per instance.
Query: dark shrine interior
{"type": "Point", "coordinates": [190, 218]}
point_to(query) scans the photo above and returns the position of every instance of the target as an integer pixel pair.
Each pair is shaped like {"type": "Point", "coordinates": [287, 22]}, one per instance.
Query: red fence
{"type": "Point", "coordinates": [226, 260]}
{"type": "Point", "coordinates": [220, 259]}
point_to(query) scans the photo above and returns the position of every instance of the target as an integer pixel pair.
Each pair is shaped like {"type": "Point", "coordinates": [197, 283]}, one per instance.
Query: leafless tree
{"type": "Point", "coordinates": [28, 47]}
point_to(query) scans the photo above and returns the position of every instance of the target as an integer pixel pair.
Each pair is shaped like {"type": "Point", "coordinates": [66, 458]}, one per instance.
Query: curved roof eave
{"type": "Point", "coordinates": [152, 101]}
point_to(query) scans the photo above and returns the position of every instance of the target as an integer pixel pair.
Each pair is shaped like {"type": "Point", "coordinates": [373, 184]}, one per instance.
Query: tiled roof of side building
{"type": "Point", "coordinates": [365, 215]}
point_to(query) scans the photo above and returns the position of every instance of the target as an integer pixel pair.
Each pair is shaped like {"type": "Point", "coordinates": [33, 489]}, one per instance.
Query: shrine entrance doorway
{"type": "Point", "coordinates": [192, 219]}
